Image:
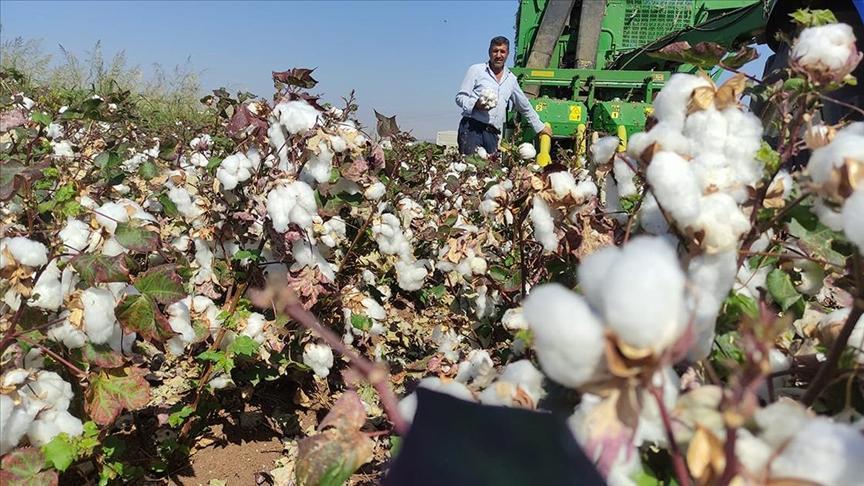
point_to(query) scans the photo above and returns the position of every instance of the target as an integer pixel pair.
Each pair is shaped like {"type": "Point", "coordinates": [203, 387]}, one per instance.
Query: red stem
{"type": "Point", "coordinates": [677, 459]}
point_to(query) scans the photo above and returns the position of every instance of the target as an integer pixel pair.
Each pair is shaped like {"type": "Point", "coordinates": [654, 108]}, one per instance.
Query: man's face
{"type": "Point", "coordinates": [498, 56]}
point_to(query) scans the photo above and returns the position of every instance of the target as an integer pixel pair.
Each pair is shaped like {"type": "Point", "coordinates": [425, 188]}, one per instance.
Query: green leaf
{"type": "Point", "coordinates": [24, 467]}
{"type": "Point", "coordinates": [97, 268]}
{"type": "Point", "coordinates": [816, 239]}
{"type": "Point", "coordinates": [139, 313]}
{"type": "Point", "coordinates": [361, 322]}
{"type": "Point", "coordinates": [812, 18]}
{"type": "Point", "coordinates": [180, 416]}
{"type": "Point", "coordinates": [162, 284]}
{"type": "Point", "coordinates": [41, 118]}
{"type": "Point", "coordinates": [769, 158]}
{"type": "Point", "coordinates": [61, 452]}
{"type": "Point", "coordinates": [65, 193]}
{"type": "Point", "coordinates": [220, 360]}
{"type": "Point", "coordinates": [738, 59]}
{"type": "Point", "coordinates": [148, 170]}
{"type": "Point", "coordinates": [168, 206]}
{"type": "Point", "coordinates": [254, 255]}
{"type": "Point", "coordinates": [111, 392]}
{"type": "Point", "coordinates": [244, 346]}
{"type": "Point", "coordinates": [214, 163]}
{"type": "Point", "coordinates": [735, 307]}
{"type": "Point", "coordinates": [781, 289]}
{"type": "Point", "coordinates": [102, 356]}
{"type": "Point", "coordinates": [136, 237]}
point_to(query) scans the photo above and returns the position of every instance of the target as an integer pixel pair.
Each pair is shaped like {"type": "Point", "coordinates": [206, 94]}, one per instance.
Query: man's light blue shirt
{"type": "Point", "coordinates": [480, 77]}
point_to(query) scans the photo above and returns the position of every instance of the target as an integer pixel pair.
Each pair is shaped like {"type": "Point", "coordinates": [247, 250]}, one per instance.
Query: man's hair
{"type": "Point", "coordinates": [497, 41]}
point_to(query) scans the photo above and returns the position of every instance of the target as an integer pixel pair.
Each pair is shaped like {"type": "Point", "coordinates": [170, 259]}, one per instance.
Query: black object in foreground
{"type": "Point", "coordinates": [453, 442]}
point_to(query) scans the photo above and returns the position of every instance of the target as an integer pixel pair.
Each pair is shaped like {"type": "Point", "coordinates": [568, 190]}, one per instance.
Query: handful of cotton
{"type": "Point", "coordinates": [488, 98]}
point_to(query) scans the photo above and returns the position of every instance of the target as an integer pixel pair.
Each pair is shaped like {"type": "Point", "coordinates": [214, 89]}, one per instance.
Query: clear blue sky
{"type": "Point", "coordinates": [404, 58]}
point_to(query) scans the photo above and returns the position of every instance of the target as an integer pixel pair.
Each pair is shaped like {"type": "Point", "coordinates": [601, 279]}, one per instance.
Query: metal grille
{"type": "Point", "coordinates": [648, 20]}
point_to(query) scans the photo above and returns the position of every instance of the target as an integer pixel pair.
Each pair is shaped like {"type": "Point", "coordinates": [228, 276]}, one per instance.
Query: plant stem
{"type": "Point", "coordinates": [677, 459]}
{"type": "Point", "coordinates": [78, 371]}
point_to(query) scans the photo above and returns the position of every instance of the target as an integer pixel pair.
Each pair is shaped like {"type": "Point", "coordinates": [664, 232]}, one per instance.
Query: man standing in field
{"type": "Point", "coordinates": [484, 96]}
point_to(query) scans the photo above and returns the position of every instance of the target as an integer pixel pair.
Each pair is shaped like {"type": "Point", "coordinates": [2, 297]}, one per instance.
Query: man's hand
{"type": "Point", "coordinates": [547, 130]}
{"type": "Point", "coordinates": [479, 106]}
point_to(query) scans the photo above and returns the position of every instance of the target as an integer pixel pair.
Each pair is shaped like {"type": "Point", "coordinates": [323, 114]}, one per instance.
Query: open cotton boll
{"type": "Point", "coordinates": [477, 367]}
{"type": "Point", "coordinates": [50, 389]}
{"type": "Point", "coordinates": [50, 424]}
{"type": "Point", "coordinates": [848, 144]}
{"type": "Point", "coordinates": [289, 203]}
{"type": "Point", "coordinates": [319, 357]}
{"type": "Point", "coordinates": [319, 166]}
{"type": "Point", "coordinates": [826, 51]}
{"type": "Point", "coordinates": [675, 186]}
{"type": "Point", "coordinates": [651, 218]}
{"type": "Point", "coordinates": [603, 149]}
{"type": "Point", "coordinates": [297, 116]}
{"type": "Point", "coordinates": [98, 314]}
{"type": "Point", "coordinates": [54, 131]}
{"type": "Point", "coordinates": [827, 215]}
{"type": "Point", "coordinates": [24, 251]}
{"type": "Point", "coordinates": [181, 322]}
{"type": "Point", "coordinates": [744, 134]}
{"type": "Point", "coordinates": [666, 135]}
{"type": "Point", "coordinates": [544, 224]}
{"type": "Point", "coordinates": [643, 294]}
{"type": "Point", "coordinates": [853, 219]}
{"type": "Point", "coordinates": [514, 319]}
{"type": "Point", "coordinates": [75, 236]}
{"type": "Point", "coordinates": [255, 327]}
{"type": "Point", "coordinates": [592, 273]}
{"type": "Point", "coordinates": [711, 278]}
{"type": "Point", "coordinates": [670, 105]}
{"type": "Point", "coordinates": [517, 380]}
{"type": "Point", "coordinates": [707, 129]}
{"type": "Point", "coordinates": [66, 333]}
{"type": "Point", "coordinates": [624, 177]}
{"type": "Point", "coordinates": [390, 238]}
{"type": "Point", "coordinates": [488, 98]}
{"type": "Point", "coordinates": [481, 152]}
{"type": "Point", "coordinates": [233, 170]}
{"type": "Point", "coordinates": [333, 231]}
{"type": "Point", "coordinates": [714, 172]}
{"type": "Point", "coordinates": [410, 275]}
{"type": "Point", "coordinates": [448, 343]}
{"type": "Point", "coordinates": [527, 151]}
{"type": "Point", "coordinates": [822, 452]}
{"type": "Point", "coordinates": [111, 213]}
{"type": "Point", "coordinates": [408, 405]}
{"type": "Point", "coordinates": [276, 137]}
{"type": "Point", "coordinates": [722, 222]}
{"type": "Point", "coordinates": [48, 291]}
{"type": "Point", "coordinates": [185, 204]}
{"type": "Point", "coordinates": [16, 422]}
{"type": "Point", "coordinates": [338, 144]}
{"type": "Point", "coordinates": [375, 192]}
{"type": "Point", "coordinates": [568, 337]}
{"type": "Point", "coordinates": [63, 149]}
{"type": "Point", "coordinates": [306, 254]}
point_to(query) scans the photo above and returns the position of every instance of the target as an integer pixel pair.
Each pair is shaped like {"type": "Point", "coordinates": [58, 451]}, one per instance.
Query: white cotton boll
{"type": "Point", "coordinates": [201, 142]}
{"type": "Point", "coordinates": [826, 49]}
{"type": "Point", "coordinates": [448, 343]}
{"type": "Point", "coordinates": [185, 204]}
{"type": "Point", "coordinates": [488, 98]}
{"type": "Point", "coordinates": [643, 294]}
{"type": "Point", "coordinates": [297, 116]}
{"type": "Point", "coordinates": [98, 314]}
{"type": "Point", "coordinates": [563, 184]}
{"type": "Point", "coordinates": [670, 105]}
{"type": "Point", "coordinates": [319, 166]}
{"type": "Point", "coordinates": [54, 131]}
{"type": "Point", "coordinates": [307, 254]}
{"type": "Point", "coordinates": [204, 260]}
{"type": "Point", "coordinates": [711, 278]}
{"type": "Point", "coordinates": [707, 129]}
{"type": "Point", "coordinates": [568, 337]}
{"type": "Point", "coordinates": [722, 221]}
{"type": "Point", "coordinates": [675, 186]}
{"type": "Point", "coordinates": [63, 149]}
{"type": "Point", "coordinates": [181, 322]}
{"type": "Point", "coordinates": [375, 192]}
{"type": "Point", "coordinates": [276, 137]}
{"type": "Point", "coordinates": [481, 152]}
{"type": "Point", "coordinates": [221, 381]}
{"type": "Point", "coordinates": [17, 420]}
{"type": "Point", "coordinates": [66, 333]}
{"type": "Point", "coordinates": [544, 225]}
{"type": "Point", "coordinates": [74, 236]}
{"type": "Point", "coordinates": [132, 163]}
{"type": "Point", "coordinates": [410, 275]}
{"type": "Point", "coordinates": [847, 144]}
{"type": "Point", "coordinates": [233, 170]}
{"type": "Point", "coordinates": [408, 405]}
{"type": "Point", "coordinates": [828, 216]}
{"type": "Point", "coordinates": [650, 427]}
{"type": "Point", "coordinates": [390, 238]}
{"type": "Point", "coordinates": [291, 203]}
{"type": "Point", "coordinates": [604, 149]}
{"type": "Point", "coordinates": [50, 389]}
{"type": "Point", "coordinates": [24, 252]}
{"type": "Point", "coordinates": [853, 219]}
{"type": "Point", "coordinates": [338, 144]}
{"type": "Point", "coordinates": [667, 136]}
{"type": "Point", "coordinates": [517, 376]}
{"type": "Point", "coordinates": [823, 452]}
{"type": "Point", "coordinates": [651, 218]}
{"type": "Point", "coordinates": [624, 177]}
{"type": "Point", "coordinates": [199, 160]}
{"type": "Point", "coordinates": [514, 319]}
{"type": "Point", "coordinates": [478, 366]}
{"type": "Point", "coordinates": [255, 327]}
{"type": "Point", "coordinates": [779, 421]}
{"type": "Point", "coordinates": [592, 273]}
{"type": "Point", "coordinates": [15, 377]}
{"type": "Point", "coordinates": [319, 357]}
{"type": "Point", "coordinates": [527, 151]}
{"type": "Point", "coordinates": [333, 231]}
{"type": "Point", "coordinates": [714, 172]}
{"type": "Point", "coordinates": [41, 431]}
{"type": "Point", "coordinates": [112, 248]}
{"type": "Point", "coordinates": [48, 291]}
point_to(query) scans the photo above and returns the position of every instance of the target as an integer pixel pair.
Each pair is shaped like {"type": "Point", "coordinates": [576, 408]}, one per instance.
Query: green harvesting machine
{"type": "Point", "coordinates": [587, 66]}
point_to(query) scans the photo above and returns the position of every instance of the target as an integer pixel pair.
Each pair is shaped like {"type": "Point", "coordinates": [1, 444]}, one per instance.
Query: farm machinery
{"type": "Point", "coordinates": [587, 65]}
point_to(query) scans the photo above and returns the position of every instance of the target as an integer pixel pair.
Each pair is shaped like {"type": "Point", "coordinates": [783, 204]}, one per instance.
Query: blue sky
{"type": "Point", "coordinates": [404, 58]}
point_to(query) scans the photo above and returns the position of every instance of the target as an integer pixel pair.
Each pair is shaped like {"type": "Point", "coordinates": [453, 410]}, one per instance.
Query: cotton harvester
{"type": "Point", "coordinates": [587, 66]}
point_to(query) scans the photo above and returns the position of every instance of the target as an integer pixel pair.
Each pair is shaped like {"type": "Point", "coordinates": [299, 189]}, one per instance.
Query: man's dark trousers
{"type": "Point", "coordinates": [473, 134]}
